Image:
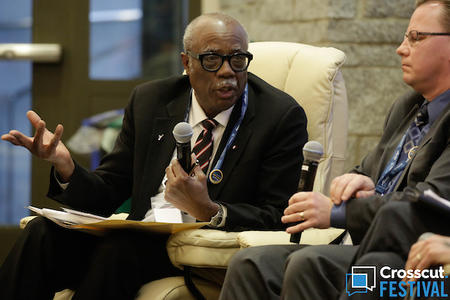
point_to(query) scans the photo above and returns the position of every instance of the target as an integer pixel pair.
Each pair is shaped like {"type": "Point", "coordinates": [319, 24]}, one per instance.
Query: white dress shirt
{"type": "Point", "coordinates": [196, 116]}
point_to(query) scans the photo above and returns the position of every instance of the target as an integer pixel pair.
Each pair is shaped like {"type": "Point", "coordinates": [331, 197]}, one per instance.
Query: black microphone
{"type": "Point", "coordinates": [182, 132]}
{"type": "Point", "coordinates": [312, 152]}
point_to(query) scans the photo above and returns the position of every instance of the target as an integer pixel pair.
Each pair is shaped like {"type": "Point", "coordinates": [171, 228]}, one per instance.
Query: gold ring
{"type": "Point", "coordinates": [302, 215]}
{"type": "Point", "coordinates": [418, 257]}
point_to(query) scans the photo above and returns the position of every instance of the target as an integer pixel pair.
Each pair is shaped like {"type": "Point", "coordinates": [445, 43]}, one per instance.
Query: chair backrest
{"type": "Point", "coordinates": [312, 76]}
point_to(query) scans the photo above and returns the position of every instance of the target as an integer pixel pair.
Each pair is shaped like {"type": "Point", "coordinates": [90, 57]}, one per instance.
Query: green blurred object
{"type": "Point", "coordinates": [125, 207]}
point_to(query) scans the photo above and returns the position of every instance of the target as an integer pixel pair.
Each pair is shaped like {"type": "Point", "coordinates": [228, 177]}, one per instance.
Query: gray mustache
{"type": "Point", "coordinates": [227, 83]}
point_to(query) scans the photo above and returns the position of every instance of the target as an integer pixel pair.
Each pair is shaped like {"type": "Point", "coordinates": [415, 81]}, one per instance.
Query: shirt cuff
{"type": "Point", "coordinates": [63, 186]}
{"type": "Point", "coordinates": [338, 216]}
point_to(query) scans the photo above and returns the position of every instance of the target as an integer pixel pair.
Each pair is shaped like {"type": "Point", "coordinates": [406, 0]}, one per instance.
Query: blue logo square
{"type": "Point", "coordinates": [359, 280]}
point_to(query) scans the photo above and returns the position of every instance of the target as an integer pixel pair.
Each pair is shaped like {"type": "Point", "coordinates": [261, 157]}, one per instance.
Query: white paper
{"type": "Point", "coordinates": [68, 217]}
{"type": "Point", "coordinates": [83, 214]}
{"type": "Point", "coordinates": [168, 215]}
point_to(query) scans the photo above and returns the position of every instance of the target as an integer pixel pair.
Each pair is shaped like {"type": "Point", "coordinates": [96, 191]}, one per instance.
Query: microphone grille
{"type": "Point", "coordinates": [182, 132]}
{"type": "Point", "coordinates": [312, 151]}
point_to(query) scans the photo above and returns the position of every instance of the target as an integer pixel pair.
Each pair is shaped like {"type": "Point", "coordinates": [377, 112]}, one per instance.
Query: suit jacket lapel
{"type": "Point", "coordinates": [392, 145]}
{"type": "Point", "coordinates": [426, 139]}
{"type": "Point", "coordinates": [237, 148]}
{"type": "Point", "coordinates": [162, 145]}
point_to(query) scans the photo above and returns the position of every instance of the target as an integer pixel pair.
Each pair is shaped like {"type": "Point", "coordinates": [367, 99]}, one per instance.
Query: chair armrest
{"type": "Point", "coordinates": [210, 248]}
{"type": "Point", "coordinates": [310, 236]}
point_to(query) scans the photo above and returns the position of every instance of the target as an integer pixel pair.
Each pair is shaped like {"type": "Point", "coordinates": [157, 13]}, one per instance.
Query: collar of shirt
{"type": "Point", "coordinates": [437, 106]}
{"type": "Point", "coordinates": [197, 115]}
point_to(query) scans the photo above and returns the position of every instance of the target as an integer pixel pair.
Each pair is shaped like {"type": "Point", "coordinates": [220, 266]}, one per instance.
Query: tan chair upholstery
{"type": "Point", "coordinates": [312, 76]}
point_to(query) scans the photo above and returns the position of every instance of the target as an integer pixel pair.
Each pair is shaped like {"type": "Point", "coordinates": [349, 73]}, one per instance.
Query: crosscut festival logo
{"type": "Point", "coordinates": [419, 283]}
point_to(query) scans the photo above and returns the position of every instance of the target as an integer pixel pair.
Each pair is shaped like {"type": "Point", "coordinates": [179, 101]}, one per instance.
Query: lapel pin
{"type": "Point", "coordinates": [160, 136]}
{"type": "Point", "coordinates": [234, 147]}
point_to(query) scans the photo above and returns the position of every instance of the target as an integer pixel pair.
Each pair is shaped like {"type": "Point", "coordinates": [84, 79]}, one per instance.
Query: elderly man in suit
{"type": "Point", "coordinates": [412, 156]}
{"type": "Point", "coordinates": [253, 135]}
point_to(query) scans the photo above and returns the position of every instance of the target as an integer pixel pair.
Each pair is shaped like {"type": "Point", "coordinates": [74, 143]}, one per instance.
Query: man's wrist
{"type": "Point", "coordinates": [65, 170]}
{"type": "Point", "coordinates": [60, 182]}
{"type": "Point", "coordinates": [218, 220]}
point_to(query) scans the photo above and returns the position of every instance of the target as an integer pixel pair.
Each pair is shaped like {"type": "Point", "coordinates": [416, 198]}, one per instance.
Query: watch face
{"type": "Point", "coordinates": [217, 218]}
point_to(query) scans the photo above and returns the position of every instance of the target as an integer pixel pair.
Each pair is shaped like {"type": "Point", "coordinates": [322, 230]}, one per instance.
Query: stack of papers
{"type": "Point", "coordinates": [67, 217]}
{"type": "Point", "coordinates": [74, 219]}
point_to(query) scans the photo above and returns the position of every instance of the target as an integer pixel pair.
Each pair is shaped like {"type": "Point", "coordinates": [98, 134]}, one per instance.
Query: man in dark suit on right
{"type": "Point", "coordinates": [371, 202]}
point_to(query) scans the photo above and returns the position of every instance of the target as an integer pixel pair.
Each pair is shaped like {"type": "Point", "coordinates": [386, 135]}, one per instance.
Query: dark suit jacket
{"type": "Point", "coordinates": [260, 173]}
{"type": "Point", "coordinates": [428, 169]}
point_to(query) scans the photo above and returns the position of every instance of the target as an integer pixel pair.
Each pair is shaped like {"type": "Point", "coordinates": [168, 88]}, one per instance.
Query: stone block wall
{"type": "Point", "coordinates": [368, 31]}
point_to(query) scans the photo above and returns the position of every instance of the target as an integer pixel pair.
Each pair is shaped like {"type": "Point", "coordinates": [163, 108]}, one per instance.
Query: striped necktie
{"type": "Point", "coordinates": [204, 145]}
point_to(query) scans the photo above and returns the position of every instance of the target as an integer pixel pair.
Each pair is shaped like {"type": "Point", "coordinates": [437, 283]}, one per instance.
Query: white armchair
{"type": "Point", "coordinates": [312, 76]}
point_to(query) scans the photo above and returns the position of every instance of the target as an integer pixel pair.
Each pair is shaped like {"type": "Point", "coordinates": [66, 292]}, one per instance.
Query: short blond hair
{"type": "Point", "coordinates": [445, 11]}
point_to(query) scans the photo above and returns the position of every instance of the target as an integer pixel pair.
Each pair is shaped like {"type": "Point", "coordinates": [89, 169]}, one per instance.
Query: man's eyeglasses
{"type": "Point", "coordinates": [414, 35]}
{"type": "Point", "coordinates": [212, 62]}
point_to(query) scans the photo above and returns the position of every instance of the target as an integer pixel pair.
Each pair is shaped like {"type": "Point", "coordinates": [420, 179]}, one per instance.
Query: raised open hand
{"type": "Point", "coordinates": [44, 144]}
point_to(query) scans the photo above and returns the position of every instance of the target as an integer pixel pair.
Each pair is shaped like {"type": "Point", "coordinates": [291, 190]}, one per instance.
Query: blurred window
{"type": "Point", "coordinates": [15, 100]}
{"type": "Point", "coordinates": [132, 39]}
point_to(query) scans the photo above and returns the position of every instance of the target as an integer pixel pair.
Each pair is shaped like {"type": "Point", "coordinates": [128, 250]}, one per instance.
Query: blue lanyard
{"type": "Point", "coordinates": [233, 132]}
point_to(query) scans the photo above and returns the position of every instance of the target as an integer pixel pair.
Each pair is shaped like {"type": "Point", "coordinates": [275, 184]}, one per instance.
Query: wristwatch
{"type": "Point", "coordinates": [217, 218]}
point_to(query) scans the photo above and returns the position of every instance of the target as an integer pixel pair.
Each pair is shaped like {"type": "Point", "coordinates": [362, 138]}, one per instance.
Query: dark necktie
{"type": "Point", "coordinates": [415, 132]}
{"type": "Point", "coordinates": [204, 145]}
{"type": "Point", "coordinates": [404, 153]}
{"type": "Point", "coordinates": [422, 116]}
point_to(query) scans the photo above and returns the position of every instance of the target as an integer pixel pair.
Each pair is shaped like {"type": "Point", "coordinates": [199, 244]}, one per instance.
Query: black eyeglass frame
{"type": "Point", "coordinates": [227, 57]}
{"type": "Point", "coordinates": [419, 33]}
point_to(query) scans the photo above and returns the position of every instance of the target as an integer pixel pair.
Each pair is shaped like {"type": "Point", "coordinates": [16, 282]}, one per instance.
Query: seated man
{"type": "Point", "coordinates": [413, 153]}
{"type": "Point", "coordinates": [253, 132]}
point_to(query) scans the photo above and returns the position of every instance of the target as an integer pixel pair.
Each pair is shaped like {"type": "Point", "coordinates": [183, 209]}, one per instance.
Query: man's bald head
{"type": "Point", "coordinates": [205, 20]}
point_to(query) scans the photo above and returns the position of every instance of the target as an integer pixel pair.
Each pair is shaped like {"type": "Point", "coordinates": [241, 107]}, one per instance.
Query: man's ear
{"type": "Point", "coordinates": [185, 61]}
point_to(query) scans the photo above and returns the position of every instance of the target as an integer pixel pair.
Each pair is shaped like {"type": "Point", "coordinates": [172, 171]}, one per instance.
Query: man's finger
{"type": "Point", "coordinates": [10, 138]}
{"type": "Point", "coordinates": [57, 135]}
{"type": "Point", "coordinates": [295, 207]}
{"type": "Point", "coordinates": [169, 172]}
{"type": "Point", "coordinates": [294, 217]}
{"type": "Point", "coordinates": [350, 189]}
{"type": "Point", "coordinates": [299, 227]}
{"type": "Point", "coordinates": [341, 184]}
{"type": "Point", "coordinates": [363, 194]}
{"type": "Point", "coordinates": [298, 197]}
{"type": "Point", "coordinates": [34, 118]}
{"type": "Point", "coordinates": [39, 134]}
{"type": "Point", "coordinates": [177, 168]}
{"type": "Point", "coordinates": [21, 139]}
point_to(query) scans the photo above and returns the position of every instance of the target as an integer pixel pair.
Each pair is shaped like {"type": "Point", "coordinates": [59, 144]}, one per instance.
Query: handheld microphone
{"type": "Point", "coordinates": [312, 152]}
{"type": "Point", "coordinates": [182, 132]}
